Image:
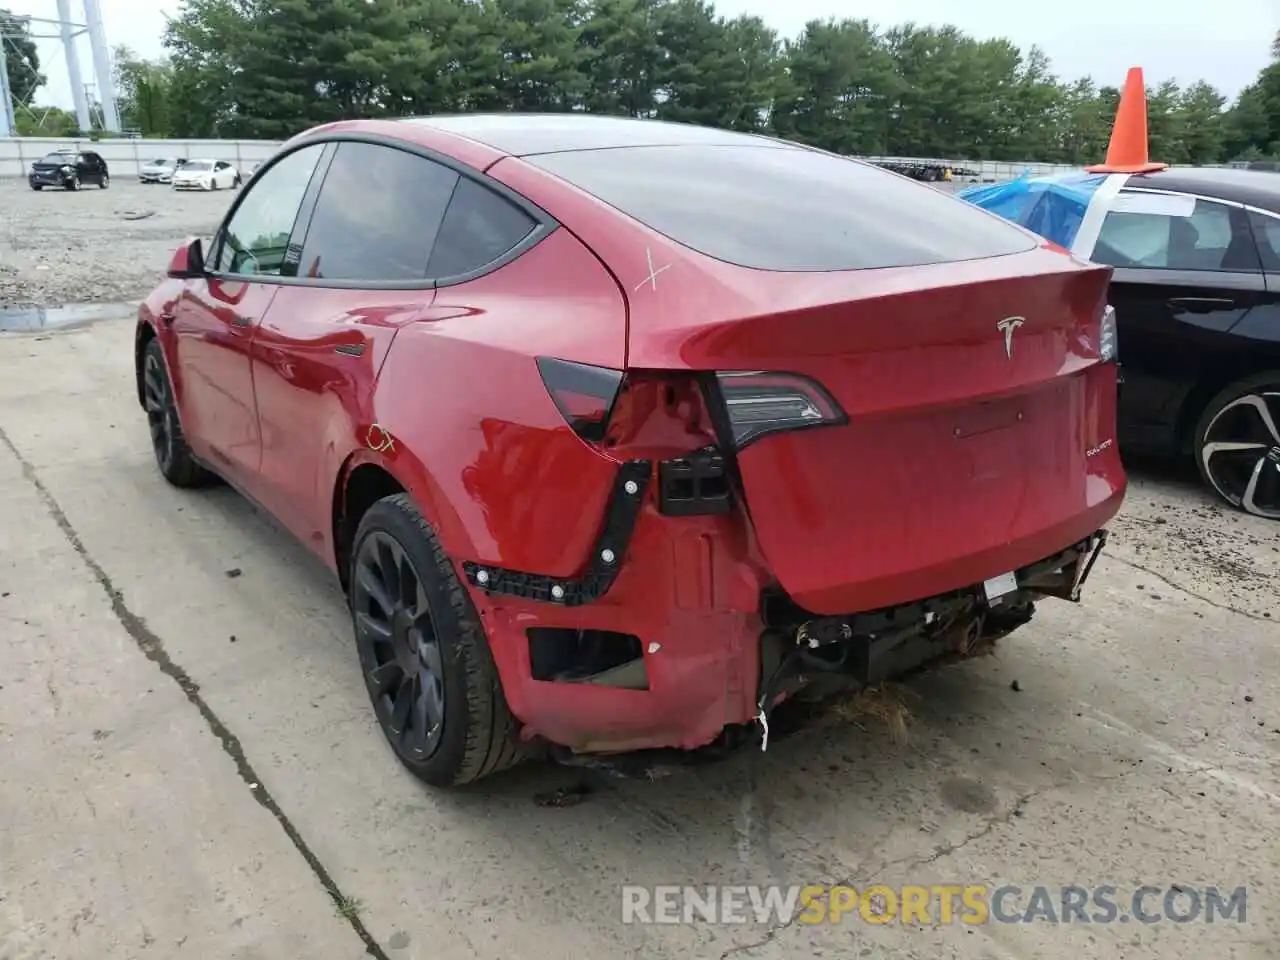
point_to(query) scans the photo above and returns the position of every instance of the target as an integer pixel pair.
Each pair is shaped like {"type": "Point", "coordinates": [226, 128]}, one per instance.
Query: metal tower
{"type": "Point", "coordinates": [67, 31]}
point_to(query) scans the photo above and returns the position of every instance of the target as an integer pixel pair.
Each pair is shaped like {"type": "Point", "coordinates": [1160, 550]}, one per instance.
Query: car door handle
{"type": "Point", "coordinates": [1202, 304]}
{"type": "Point", "coordinates": [238, 321]}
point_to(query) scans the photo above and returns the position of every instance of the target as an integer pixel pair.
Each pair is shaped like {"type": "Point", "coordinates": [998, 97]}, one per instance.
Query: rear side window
{"type": "Point", "coordinates": [780, 208]}
{"type": "Point", "coordinates": [478, 228]}
{"type": "Point", "coordinates": [378, 215]}
{"type": "Point", "coordinates": [1173, 232]}
{"type": "Point", "coordinates": [1267, 232]}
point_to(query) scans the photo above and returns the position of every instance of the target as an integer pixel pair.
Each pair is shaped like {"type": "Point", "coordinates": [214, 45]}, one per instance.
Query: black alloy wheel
{"type": "Point", "coordinates": [1238, 446]}
{"type": "Point", "coordinates": [423, 652]}
{"type": "Point", "coordinates": [399, 646]}
{"type": "Point", "coordinates": [173, 456]}
{"type": "Point", "coordinates": [105, 182]}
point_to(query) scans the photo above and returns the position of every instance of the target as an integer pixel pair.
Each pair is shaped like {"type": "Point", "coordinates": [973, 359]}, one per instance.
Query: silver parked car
{"type": "Point", "coordinates": [160, 170]}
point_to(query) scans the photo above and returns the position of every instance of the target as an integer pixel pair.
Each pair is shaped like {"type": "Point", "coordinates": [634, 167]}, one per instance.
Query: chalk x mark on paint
{"type": "Point", "coordinates": [652, 278]}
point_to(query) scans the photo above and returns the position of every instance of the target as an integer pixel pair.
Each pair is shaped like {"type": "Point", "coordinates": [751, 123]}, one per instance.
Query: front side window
{"type": "Point", "coordinates": [1167, 232]}
{"type": "Point", "coordinates": [256, 239]}
{"type": "Point", "coordinates": [378, 215]}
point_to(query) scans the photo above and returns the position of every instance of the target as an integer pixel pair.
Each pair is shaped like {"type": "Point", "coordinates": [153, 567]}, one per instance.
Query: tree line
{"type": "Point", "coordinates": [271, 68]}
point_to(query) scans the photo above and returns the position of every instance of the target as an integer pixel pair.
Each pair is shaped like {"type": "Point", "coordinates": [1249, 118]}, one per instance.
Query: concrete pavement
{"type": "Point", "coordinates": [189, 765]}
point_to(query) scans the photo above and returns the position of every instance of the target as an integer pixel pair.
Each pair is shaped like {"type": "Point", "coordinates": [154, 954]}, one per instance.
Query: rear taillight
{"type": "Point", "coordinates": [584, 394]}
{"type": "Point", "coordinates": [1108, 342]}
{"type": "Point", "coordinates": [759, 403]}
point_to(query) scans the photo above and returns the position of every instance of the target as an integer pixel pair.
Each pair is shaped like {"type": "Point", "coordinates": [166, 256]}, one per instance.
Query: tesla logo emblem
{"type": "Point", "coordinates": [1007, 326]}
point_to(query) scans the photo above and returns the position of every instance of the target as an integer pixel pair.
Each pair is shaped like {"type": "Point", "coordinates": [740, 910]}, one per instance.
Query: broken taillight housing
{"type": "Point", "coordinates": [1108, 340]}
{"type": "Point", "coordinates": [759, 403]}
{"type": "Point", "coordinates": [584, 394]}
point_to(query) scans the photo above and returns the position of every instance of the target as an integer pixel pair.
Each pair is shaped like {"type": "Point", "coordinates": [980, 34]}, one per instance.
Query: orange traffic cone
{"type": "Point", "coordinates": [1127, 152]}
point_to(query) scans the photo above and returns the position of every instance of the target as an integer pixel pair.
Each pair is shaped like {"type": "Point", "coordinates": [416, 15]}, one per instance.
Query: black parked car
{"type": "Point", "coordinates": [70, 170]}
{"type": "Point", "coordinates": [1196, 290]}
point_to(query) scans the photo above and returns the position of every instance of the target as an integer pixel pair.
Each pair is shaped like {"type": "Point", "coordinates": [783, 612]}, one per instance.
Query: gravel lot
{"type": "Point", "coordinates": [191, 768]}
{"type": "Point", "coordinates": [58, 247]}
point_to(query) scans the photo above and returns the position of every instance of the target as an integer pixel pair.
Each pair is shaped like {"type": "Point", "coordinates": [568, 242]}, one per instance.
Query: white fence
{"type": "Point", "coordinates": [125, 156]}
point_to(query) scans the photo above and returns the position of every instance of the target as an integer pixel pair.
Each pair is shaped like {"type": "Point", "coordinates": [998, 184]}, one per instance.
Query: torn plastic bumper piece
{"type": "Point", "coordinates": [621, 513]}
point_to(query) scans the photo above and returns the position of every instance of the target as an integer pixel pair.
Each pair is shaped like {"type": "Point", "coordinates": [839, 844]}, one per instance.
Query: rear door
{"type": "Point", "coordinates": [1187, 276]}
{"type": "Point", "coordinates": [388, 225]}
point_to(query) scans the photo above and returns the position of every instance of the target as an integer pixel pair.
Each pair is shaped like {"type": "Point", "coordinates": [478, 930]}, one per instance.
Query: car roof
{"type": "Point", "coordinates": [525, 134]}
{"type": "Point", "coordinates": [1256, 188]}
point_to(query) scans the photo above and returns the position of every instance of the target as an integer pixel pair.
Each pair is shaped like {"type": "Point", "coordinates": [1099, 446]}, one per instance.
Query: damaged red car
{"type": "Point", "coordinates": [618, 433]}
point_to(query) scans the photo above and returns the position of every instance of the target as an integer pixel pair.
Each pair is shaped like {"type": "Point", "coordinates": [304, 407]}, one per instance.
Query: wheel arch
{"type": "Point", "coordinates": [143, 334]}
{"type": "Point", "coordinates": [364, 478]}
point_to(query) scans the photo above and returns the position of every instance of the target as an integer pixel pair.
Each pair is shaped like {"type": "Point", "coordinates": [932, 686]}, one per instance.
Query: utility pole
{"type": "Point", "coordinates": [67, 30]}
{"type": "Point", "coordinates": [8, 126]}
{"type": "Point", "coordinates": [102, 65]}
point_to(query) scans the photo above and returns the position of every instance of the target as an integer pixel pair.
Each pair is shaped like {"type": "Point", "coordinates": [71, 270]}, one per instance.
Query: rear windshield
{"type": "Point", "coordinates": [777, 208]}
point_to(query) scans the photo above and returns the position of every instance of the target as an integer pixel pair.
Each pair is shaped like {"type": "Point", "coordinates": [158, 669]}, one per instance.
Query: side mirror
{"type": "Point", "coordinates": [187, 262]}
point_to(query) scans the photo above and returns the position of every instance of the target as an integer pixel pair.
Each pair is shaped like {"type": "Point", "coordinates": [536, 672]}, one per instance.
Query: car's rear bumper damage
{"type": "Point", "coordinates": [677, 636]}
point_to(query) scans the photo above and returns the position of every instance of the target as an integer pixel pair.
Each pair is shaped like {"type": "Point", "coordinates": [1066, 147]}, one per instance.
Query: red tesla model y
{"type": "Point", "coordinates": [618, 433]}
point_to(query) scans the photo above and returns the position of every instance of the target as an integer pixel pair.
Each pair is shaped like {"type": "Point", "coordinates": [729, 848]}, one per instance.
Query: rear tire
{"type": "Point", "coordinates": [105, 182]}
{"type": "Point", "coordinates": [423, 652]}
{"type": "Point", "coordinates": [37, 187]}
{"type": "Point", "coordinates": [74, 182]}
{"type": "Point", "coordinates": [173, 456]}
{"type": "Point", "coordinates": [1246, 416]}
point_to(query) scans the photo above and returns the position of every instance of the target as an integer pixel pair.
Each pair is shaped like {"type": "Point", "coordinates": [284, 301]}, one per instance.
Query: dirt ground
{"type": "Point", "coordinates": [59, 247]}
{"type": "Point", "coordinates": [190, 766]}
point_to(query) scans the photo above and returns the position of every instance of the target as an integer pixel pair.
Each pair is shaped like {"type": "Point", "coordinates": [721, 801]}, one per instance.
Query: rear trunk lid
{"type": "Point", "coordinates": [969, 424]}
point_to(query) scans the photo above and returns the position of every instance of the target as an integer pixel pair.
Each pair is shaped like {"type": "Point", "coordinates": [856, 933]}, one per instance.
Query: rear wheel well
{"type": "Point", "coordinates": [144, 336]}
{"type": "Point", "coordinates": [361, 489]}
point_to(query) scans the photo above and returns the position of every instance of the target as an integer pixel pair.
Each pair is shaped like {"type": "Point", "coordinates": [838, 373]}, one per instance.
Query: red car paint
{"type": "Point", "coordinates": [956, 463]}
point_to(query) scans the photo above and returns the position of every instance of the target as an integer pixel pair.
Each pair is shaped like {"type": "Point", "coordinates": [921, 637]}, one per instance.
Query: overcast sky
{"type": "Point", "coordinates": [1225, 42]}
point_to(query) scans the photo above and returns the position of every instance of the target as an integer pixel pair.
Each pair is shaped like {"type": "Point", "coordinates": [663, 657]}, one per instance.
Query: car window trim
{"type": "Point", "coordinates": [1192, 273]}
{"type": "Point", "coordinates": [1163, 276]}
{"type": "Point", "coordinates": [544, 223]}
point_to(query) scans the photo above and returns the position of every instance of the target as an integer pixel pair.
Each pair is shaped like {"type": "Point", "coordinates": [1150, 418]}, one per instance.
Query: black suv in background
{"type": "Point", "coordinates": [70, 170]}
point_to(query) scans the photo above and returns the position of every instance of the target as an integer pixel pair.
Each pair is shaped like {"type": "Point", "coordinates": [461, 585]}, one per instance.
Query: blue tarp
{"type": "Point", "coordinates": [1050, 206]}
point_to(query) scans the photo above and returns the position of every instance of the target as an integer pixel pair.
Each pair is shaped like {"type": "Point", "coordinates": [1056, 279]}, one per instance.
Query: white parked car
{"type": "Point", "coordinates": [160, 170]}
{"type": "Point", "coordinates": [206, 175]}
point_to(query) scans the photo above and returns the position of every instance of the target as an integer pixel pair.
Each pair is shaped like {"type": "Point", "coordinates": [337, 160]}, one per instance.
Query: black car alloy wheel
{"type": "Point", "coordinates": [399, 646]}
{"type": "Point", "coordinates": [1239, 451]}
{"type": "Point", "coordinates": [156, 400]}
